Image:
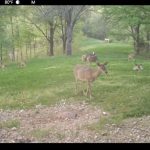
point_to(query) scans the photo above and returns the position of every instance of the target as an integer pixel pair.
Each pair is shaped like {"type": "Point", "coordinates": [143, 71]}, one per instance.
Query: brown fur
{"type": "Point", "coordinates": [2, 66]}
{"type": "Point", "coordinates": [131, 56]}
{"type": "Point", "coordinates": [138, 67]}
{"type": "Point", "coordinates": [88, 74]}
{"type": "Point", "coordinates": [89, 58]}
{"type": "Point", "coordinates": [22, 64]}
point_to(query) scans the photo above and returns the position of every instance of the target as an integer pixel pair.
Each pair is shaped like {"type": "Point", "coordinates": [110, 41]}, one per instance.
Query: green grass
{"type": "Point", "coordinates": [39, 134]}
{"type": "Point", "coordinates": [47, 80]}
{"type": "Point", "coordinates": [10, 124]}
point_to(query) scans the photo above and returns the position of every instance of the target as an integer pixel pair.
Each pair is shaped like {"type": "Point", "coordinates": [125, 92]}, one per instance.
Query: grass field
{"type": "Point", "coordinates": [122, 93]}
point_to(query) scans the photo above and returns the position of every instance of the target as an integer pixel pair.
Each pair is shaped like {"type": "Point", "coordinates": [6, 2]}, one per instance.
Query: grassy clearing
{"type": "Point", "coordinates": [10, 124]}
{"type": "Point", "coordinates": [48, 80]}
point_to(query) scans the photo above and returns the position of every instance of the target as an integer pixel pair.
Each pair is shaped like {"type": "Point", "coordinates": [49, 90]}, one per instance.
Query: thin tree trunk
{"type": "Point", "coordinates": [26, 51]}
{"type": "Point", "coordinates": [16, 55]}
{"type": "Point", "coordinates": [19, 44]}
{"type": "Point", "coordinates": [137, 30]}
{"type": "Point", "coordinates": [12, 31]}
{"type": "Point", "coordinates": [21, 55]}
{"type": "Point", "coordinates": [69, 39]}
{"type": "Point", "coordinates": [1, 57]}
{"type": "Point", "coordinates": [34, 46]}
{"type": "Point", "coordinates": [63, 37]}
{"type": "Point", "coordinates": [30, 50]}
{"type": "Point", "coordinates": [148, 41]}
{"type": "Point", "coordinates": [51, 40]}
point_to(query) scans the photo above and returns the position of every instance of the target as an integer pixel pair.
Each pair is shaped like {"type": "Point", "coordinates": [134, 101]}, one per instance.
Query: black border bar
{"type": "Point", "coordinates": [75, 2]}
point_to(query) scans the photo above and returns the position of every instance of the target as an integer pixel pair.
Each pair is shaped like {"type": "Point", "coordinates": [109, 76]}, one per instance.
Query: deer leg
{"type": "Point", "coordinates": [76, 86]}
{"type": "Point", "coordinates": [83, 90]}
{"type": "Point", "coordinates": [87, 89]}
{"type": "Point", "coordinates": [90, 92]}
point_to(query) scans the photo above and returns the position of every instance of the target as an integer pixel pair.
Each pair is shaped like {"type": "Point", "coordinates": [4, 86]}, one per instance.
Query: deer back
{"type": "Point", "coordinates": [83, 73]}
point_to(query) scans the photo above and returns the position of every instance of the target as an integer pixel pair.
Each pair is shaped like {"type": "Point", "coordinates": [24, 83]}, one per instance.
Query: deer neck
{"type": "Point", "coordinates": [97, 73]}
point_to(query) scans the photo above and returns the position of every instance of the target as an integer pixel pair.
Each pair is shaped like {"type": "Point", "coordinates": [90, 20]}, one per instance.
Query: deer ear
{"type": "Point", "coordinates": [106, 63]}
{"type": "Point", "coordinates": [98, 64]}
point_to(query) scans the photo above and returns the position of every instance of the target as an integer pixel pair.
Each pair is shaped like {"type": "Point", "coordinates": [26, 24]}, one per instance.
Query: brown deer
{"type": "Point", "coordinates": [87, 74]}
{"type": "Point", "coordinates": [22, 64]}
{"type": "Point", "coordinates": [2, 66]}
{"type": "Point", "coordinates": [131, 56]}
{"type": "Point", "coordinates": [84, 58]}
{"type": "Point", "coordinates": [89, 57]}
{"type": "Point", "coordinates": [138, 67]}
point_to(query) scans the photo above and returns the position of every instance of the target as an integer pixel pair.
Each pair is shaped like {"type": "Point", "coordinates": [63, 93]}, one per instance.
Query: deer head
{"type": "Point", "coordinates": [103, 67]}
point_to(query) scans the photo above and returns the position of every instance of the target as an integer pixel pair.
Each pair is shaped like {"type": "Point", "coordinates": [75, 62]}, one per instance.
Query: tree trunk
{"type": "Point", "coordinates": [64, 44]}
{"type": "Point", "coordinates": [1, 57]}
{"type": "Point", "coordinates": [12, 31]}
{"type": "Point", "coordinates": [63, 31]}
{"type": "Point", "coordinates": [26, 51]}
{"type": "Point", "coordinates": [69, 39]}
{"type": "Point", "coordinates": [34, 45]}
{"type": "Point", "coordinates": [30, 50]}
{"type": "Point", "coordinates": [135, 30]}
{"type": "Point", "coordinates": [137, 43]}
{"type": "Point", "coordinates": [148, 41]}
{"type": "Point", "coordinates": [21, 55]}
{"type": "Point", "coordinates": [51, 40]}
{"type": "Point", "coordinates": [16, 55]}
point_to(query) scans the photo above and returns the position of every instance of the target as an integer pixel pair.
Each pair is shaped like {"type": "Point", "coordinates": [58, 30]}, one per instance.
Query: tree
{"type": "Point", "coordinates": [132, 18]}
{"type": "Point", "coordinates": [47, 15]}
{"type": "Point", "coordinates": [95, 26]}
{"type": "Point", "coordinates": [71, 15]}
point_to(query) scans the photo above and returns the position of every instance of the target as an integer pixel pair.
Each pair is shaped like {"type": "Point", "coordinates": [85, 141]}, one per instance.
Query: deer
{"type": "Point", "coordinates": [87, 74]}
{"type": "Point", "coordinates": [138, 67]}
{"type": "Point", "coordinates": [89, 57]}
{"type": "Point", "coordinates": [84, 58]}
{"type": "Point", "coordinates": [2, 66]}
{"type": "Point", "coordinates": [22, 64]}
{"type": "Point", "coordinates": [106, 40]}
{"type": "Point", "coordinates": [131, 56]}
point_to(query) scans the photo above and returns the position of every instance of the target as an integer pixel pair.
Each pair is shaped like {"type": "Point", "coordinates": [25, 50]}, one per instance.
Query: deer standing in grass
{"type": "Point", "coordinates": [138, 67]}
{"type": "Point", "coordinates": [22, 64]}
{"type": "Point", "coordinates": [87, 74]}
{"type": "Point", "coordinates": [89, 58]}
{"type": "Point", "coordinates": [2, 66]}
{"type": "Point", "coordinates": [131, 56]}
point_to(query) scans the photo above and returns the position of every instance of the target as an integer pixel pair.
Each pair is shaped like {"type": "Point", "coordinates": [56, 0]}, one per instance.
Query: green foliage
{"type": "Point", "coordinates": [95, 26]}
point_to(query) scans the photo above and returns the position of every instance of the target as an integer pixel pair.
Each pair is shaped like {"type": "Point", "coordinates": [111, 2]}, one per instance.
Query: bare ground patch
{"type": "Point", "coordinates": [66, 122]}
{"type": "Point", "coordinates": [63, 122]}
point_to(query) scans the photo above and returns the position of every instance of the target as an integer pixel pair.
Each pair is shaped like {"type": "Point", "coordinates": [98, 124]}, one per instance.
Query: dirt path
{"type": "Point", "coordinates": [67, 122]}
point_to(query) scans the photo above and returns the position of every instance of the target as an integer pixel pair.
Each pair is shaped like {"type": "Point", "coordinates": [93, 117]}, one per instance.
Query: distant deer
{"type": "Point", "coordinates": [2, 66]}
{"type": "Point", "coordinates": [106, 40]}
{"type": "Point", "coordinates": [89, 57]}
{"type": "Point", "coordinates": [138, 67]}
{"type": "Point", "coordinates": [22, 64]}
{"type": "Point", "coordinates": [131, 56]}
{"type": "Point", "coordinates": [84, 58]}
{"type": "Point", "coordinates": [87, 74]}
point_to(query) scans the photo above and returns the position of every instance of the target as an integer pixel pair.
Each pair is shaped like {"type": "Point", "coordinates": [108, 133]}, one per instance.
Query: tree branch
{"type": "Point", "coordinates": [38, 28]}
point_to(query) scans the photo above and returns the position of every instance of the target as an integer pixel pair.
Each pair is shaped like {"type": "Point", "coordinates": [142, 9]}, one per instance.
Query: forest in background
{"type": "Point", "coordinates": [36, 31]}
